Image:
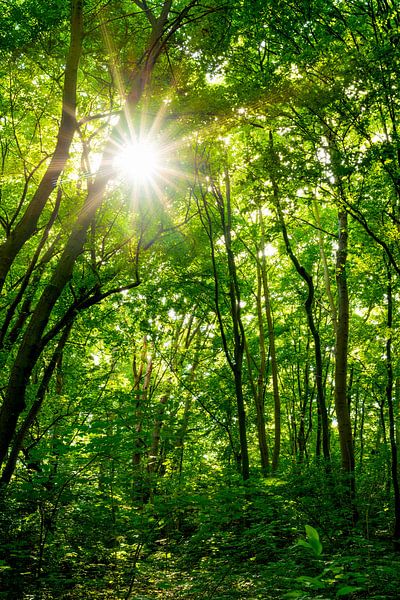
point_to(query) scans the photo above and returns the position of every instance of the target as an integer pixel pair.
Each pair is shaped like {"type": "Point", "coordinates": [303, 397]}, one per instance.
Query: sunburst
{"type": "Point", "coordinates": [139, 161]}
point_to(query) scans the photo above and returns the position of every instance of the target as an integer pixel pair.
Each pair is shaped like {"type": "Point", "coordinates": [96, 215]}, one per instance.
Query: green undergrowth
{"type": "Point", "coordinates": [269, 539]}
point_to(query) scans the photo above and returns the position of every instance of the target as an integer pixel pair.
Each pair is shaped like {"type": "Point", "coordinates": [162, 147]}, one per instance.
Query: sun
{"type": "Point", "coordinates": [138, 161]}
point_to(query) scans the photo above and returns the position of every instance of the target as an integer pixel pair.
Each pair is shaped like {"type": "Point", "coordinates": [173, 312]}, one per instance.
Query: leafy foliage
{"type": "Point", "coordinates": [174, 412]}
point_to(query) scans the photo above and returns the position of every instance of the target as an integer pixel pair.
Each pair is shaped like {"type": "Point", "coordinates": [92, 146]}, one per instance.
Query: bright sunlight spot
{"type": "Point", "coordinates": [138, 161]}
{"type": "Point", "coordinates": [269, 250]}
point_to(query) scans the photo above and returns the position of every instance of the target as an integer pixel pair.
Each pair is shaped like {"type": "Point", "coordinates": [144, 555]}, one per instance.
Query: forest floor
{"type": "Point", "coordinates": [363, 571]}
{"type": "Point", "coordinates": [232, 543]}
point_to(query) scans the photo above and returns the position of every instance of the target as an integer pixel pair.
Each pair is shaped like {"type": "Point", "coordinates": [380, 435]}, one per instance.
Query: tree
{"type": "Point", "coordinates": [34, 339]}
{"type": "Point", "coordinates": [223, 210]}
{"type": "Point", "coordinates": [308, 305]}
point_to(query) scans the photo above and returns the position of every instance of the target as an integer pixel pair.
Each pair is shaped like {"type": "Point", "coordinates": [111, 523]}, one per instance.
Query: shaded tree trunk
{"type": "Point", "coordinates": [234, 357]}
{"type": "Point", "coordinates": [35, 408]}
{"type": "Point", "coordinates": [258, 386]}
{"type": "Point", "coordinates": [341, 351]}
{"type": "Point", "coordinates": [272, 352]}
{"type": "Point", "coordinates": [392, 424]}
{"type": "Point", "coordinates": [238, 330]}
{"type": "Point", "coordinates": [141, 384]}
{"type": "Point", "coordinates": [327, 282]}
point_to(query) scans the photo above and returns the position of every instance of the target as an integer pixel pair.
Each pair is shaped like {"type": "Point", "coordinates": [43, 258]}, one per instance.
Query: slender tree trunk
{"type": "Point", "coordinates": [308, 305]}
{"type": "Point", "coordinates": [274, 372]}
{"type": "Point", "coordinates": [193, 334]}
{"type": "Point", "coordinates": [341, 347]}
{"type": "Point", "coordinates": [327, 281]}
{"type": "Point", "coordinates": [235, 357]}
{"type": "Point", "coordinates": [258, 387]}
{"type": "Point", "coordinates": [305, 400]}
{"type": "Point", "coordinates": [272, 352]}
{"type": "Point", "coordinates": [389, 398]}
{"type": "Point", "coordinates": [238, 330]}
{"type": "Point", "coordinates": [31, 345]}
{"type": "Point", "coordinates": [397, 410]}
{"type": "Point", "coordinates": [141, 384]}
{"type": "Point", "coordinates": [29, 282]}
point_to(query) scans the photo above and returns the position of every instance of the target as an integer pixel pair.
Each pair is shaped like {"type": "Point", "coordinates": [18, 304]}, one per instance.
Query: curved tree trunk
{"type": "Point", "coordinates": [35, 408]}
{"type": "Point", "coordinates": [235, 355]}
{"type": "Point", "coordinates": [238, 330]}
{"type": "Point", "coordinates": [308, 305]}
{"type": "Point", "coordinates": [26, 227]}
{"type": "Point", "coordinates": [260, 387]}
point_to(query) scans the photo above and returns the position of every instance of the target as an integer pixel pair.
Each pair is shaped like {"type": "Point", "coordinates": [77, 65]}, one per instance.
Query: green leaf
{"type": "Point", "coordinates": [313, 543]}
{"type": "Point", "coordinates": [311, 532]}
{"type": "Point", "coordinates": [313, 540]}
{"type": "Point", "coordinates": [311, 582]}
{"type": "Point", "coordinates": [347, 589]}
{"type": "Point", "coordinates": [304, 544]}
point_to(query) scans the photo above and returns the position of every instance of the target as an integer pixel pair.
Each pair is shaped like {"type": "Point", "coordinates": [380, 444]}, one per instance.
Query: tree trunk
{"type": "Point", "coordinates": [325, 267]}
{"type": "Point", "coordinates": [28, 223]}
{"type": "Point", "coordinates": [308, 305]}
{"type": "Point", "coordinates": [235, 358]}
{"type": "Point", "coordinates": [141, 385]}
{"type": "Point", "coordinates": [341, 350]}
{"type": "Point", "coordinates": [274, 372]}
{"type": "Point", "coordinates": [258, 387]}
{"type": "Point", "coordinates": [389, 398]}
{"type": "Point", "coordinates": [34, 410]}
{"type": "Point", "coordinates": [238, 330]}
{"type": "Point", "coordinates": [272, 351]}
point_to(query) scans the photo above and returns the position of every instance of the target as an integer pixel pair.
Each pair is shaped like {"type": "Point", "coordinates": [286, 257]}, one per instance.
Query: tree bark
{"type": "Point", "coordinates": [392, 424]}
{"type": "Point", "coordinates": [34, 410]}
{"type": "Point", "coordinates": [325, 267]}
{"type": "Point", "coordinates": [341, 351]}
{"type": "Point", "coordinates": [141, 384]}
{"type": "Point", "coordinates": [259, 387]}
{"type": "Point", "coordinates": [238, 330]}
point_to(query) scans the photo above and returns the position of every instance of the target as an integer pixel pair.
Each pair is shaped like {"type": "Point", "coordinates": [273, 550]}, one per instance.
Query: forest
{"type": "Point", "coordinates": [200, 292]}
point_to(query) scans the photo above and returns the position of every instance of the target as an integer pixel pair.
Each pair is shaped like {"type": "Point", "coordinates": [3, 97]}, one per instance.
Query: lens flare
{"type": "Point", "coordinates": [138, 161]}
